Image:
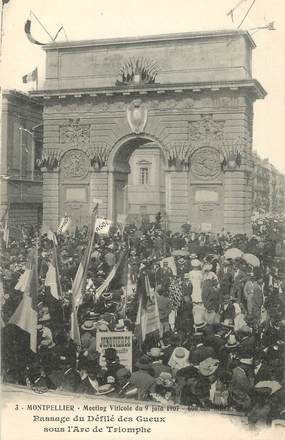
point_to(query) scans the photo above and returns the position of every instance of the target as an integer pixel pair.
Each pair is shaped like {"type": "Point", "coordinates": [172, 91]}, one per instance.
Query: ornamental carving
{"type": "Point", "coordinates": [98, 155]}
{"type": "Point", "coordinates": [75, 164]}
{"type": "Point", "coordinates": [178, 155]}
{"type": "Point", "coordinates": [74, 133]}
{"type": "Point", "coordinates": [137, 116]}
{"type": "Point", "coordinates": [206, 163]}
{"type": "Point", "coordinates": [138, 71]}
{"type": "Point", "coordinates": [50, 159]}
{"type": "Point", "coordinates": [206, 131]}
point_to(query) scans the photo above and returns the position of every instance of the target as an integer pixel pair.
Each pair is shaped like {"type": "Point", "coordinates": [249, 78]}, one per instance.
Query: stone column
{"type": "Point", "coordinates": [50, 198]}
{"type": "Point", "coordinates": [99, 190]}
{"type": "Point", "coordinates": [236, 202]}
{"type": "Point", "coordinates": [177, 186]}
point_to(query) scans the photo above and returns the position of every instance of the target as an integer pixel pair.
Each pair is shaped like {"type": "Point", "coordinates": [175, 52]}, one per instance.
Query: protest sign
{"type": "Point", "coordinates": [121, 341]}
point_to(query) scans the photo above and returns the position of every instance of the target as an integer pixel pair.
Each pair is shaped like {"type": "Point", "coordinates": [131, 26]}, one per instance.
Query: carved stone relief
{"type": "Point", "coordinates": [74, 133]}
{"type": "Point", "coordinates": [75, 164]}
{"type": "Point", "coordinates": [206, 163]}
{"type": "Point", "coordinates": [206, 132]}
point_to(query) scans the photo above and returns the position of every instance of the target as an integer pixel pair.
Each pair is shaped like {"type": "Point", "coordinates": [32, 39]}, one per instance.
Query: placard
{"type": "Point", "coordinates": [121, 341]}
{"type": "Point", "coordinates": [102, 226]}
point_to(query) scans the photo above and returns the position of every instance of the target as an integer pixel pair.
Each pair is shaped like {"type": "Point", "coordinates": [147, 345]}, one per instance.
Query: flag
{"type": "Point", "coordinates": [52, 237]}
{"type": "Point", "coordinates": [23, 281]}
{"type": "Point", "coordinates": [28, 33]}
{"type": "Point", "coordinates": [79, 282]}
{"type": "Point", "coordinates": [64, 224]}
{"type": "Point", "coordinates": [4, 2]}
{"type": "Point", "coordinates": [26, 315]}
{"type": "Point", "coordinates": [6, 231]}
{"type": "Point", "coordinates": [30, 77]}
{"type": "Point", "coordinates": [147, 320]}
{"type": "Point", "coordinates": [52, 277]}
{"type": "Point", "coordinates": [116, 268]}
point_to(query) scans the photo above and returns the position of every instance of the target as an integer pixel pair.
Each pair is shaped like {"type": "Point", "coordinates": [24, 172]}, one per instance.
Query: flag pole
{"type": "Point", "coordinates": [247, 12]}
{"type": "Point", "coordinates": [47, 32]}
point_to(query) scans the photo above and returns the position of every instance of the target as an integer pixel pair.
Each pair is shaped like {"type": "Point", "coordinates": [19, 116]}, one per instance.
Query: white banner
{"type": "Point", "coordinates": [120, 341]}
{"type": "Point", "coordinates": [102, 226]}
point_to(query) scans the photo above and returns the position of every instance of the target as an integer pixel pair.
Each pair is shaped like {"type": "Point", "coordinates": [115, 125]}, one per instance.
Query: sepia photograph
{"type": "Point", "coordinates": [142, 219]}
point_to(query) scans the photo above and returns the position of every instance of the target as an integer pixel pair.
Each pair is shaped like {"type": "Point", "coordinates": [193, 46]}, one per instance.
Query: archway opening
{"type": "Point", "coordinates": [139, 181]}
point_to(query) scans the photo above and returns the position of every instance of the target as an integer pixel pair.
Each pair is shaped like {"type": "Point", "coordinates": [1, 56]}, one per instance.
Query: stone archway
{"type": "Point", "coordinates": [119, 169]}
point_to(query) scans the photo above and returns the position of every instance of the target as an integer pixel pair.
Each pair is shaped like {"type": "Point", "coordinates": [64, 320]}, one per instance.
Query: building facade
{"type": "Point", "coordinates": [21, 147]}
{"type": "Point", "coordinates": [146, 184]}
{"type": "Point", "coordinates": [268, 187]}
{"type": "Point", "coordinates": [190, 95]}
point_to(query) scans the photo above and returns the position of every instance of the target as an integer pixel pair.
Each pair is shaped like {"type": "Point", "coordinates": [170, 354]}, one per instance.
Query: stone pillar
{"type": "Point", "coordinates": [177, 186]}
{"type": "Point", "coordinates": [236, 202]}
{"type": "Point", "coordinates": [99, 190]}
{"type": "Point", "coordinates": [50, 198]}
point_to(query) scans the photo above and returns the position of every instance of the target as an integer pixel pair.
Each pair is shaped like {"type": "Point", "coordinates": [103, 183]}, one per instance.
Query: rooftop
{"type": "Point", "coordinates": [152, 39]}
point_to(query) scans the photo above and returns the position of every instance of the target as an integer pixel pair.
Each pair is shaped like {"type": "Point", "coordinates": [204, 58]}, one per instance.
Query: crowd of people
{"type": "Point", "coordinates": [221, 305]}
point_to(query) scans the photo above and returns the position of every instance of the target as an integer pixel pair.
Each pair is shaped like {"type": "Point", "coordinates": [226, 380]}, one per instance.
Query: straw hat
{"type": "Point", "coordinates": [107, 295]}
{"type": "Point", "coordinates": [195, 263]}
{"type": "Point", "coordinates": [88, 326]}
{"type": "Point", "coordinates": [119, 327]}
{"type": "Point", "coordinates": [200, 324]}
{"type": "Point", "coordinates": [246, 361]}
{"type": "Point", "coordinates": [102, 326]}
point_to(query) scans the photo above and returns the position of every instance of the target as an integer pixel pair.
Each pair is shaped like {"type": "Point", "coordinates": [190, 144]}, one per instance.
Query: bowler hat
{"type": "Point", "coordinates": [110, 354]}
{"type": "Point", "coordinates": [231, 342]}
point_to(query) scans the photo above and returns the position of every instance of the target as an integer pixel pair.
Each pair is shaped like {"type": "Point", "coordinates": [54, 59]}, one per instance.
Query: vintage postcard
{"type": "Point", "coordinates": [142, 219]}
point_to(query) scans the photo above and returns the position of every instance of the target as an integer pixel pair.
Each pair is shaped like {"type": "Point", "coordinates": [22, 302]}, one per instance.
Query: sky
{"type": "Point", "coordinates": [92, 19]}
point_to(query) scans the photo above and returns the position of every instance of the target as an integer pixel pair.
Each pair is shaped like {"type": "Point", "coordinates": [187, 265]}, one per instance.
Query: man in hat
{"type": "Point", "coordinates": [184, 318]}
{"type": "Point", "coordinates": [211, 295]}
{"type": "Point", "coordinates": [179, 359]}
{"type": "Point", "coordinates": [170, 341]}
{"type": "Point", "coordinates": [123, 387]}
{"type": "Point", "coordinates": [158, 367]}
{"type": "Point", "coordinates": [88, 339]}
{"type": "Point", "coordinates": [255, 300]}
{"type": "Point", "coordinates": [164, 309]}
{"type": "Point", "coordinates": [247, 342]}
{"type": "Point", "coordinates": [95, 378]}
{"type": "Point", "coordinates": [112, 361]}
{"type": "Point", "coordinates": [239, 279]}
{"type": "Point", "coordinates": [143, 378]}
{"type": "Point", "coordinates": [200, 351]}
{"type": "Point", "coordinates": [242, 383]}
{"type": "Point", "coordinates": [182, 266]}
{"type": "Point", "coordinates": [195, 277]}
